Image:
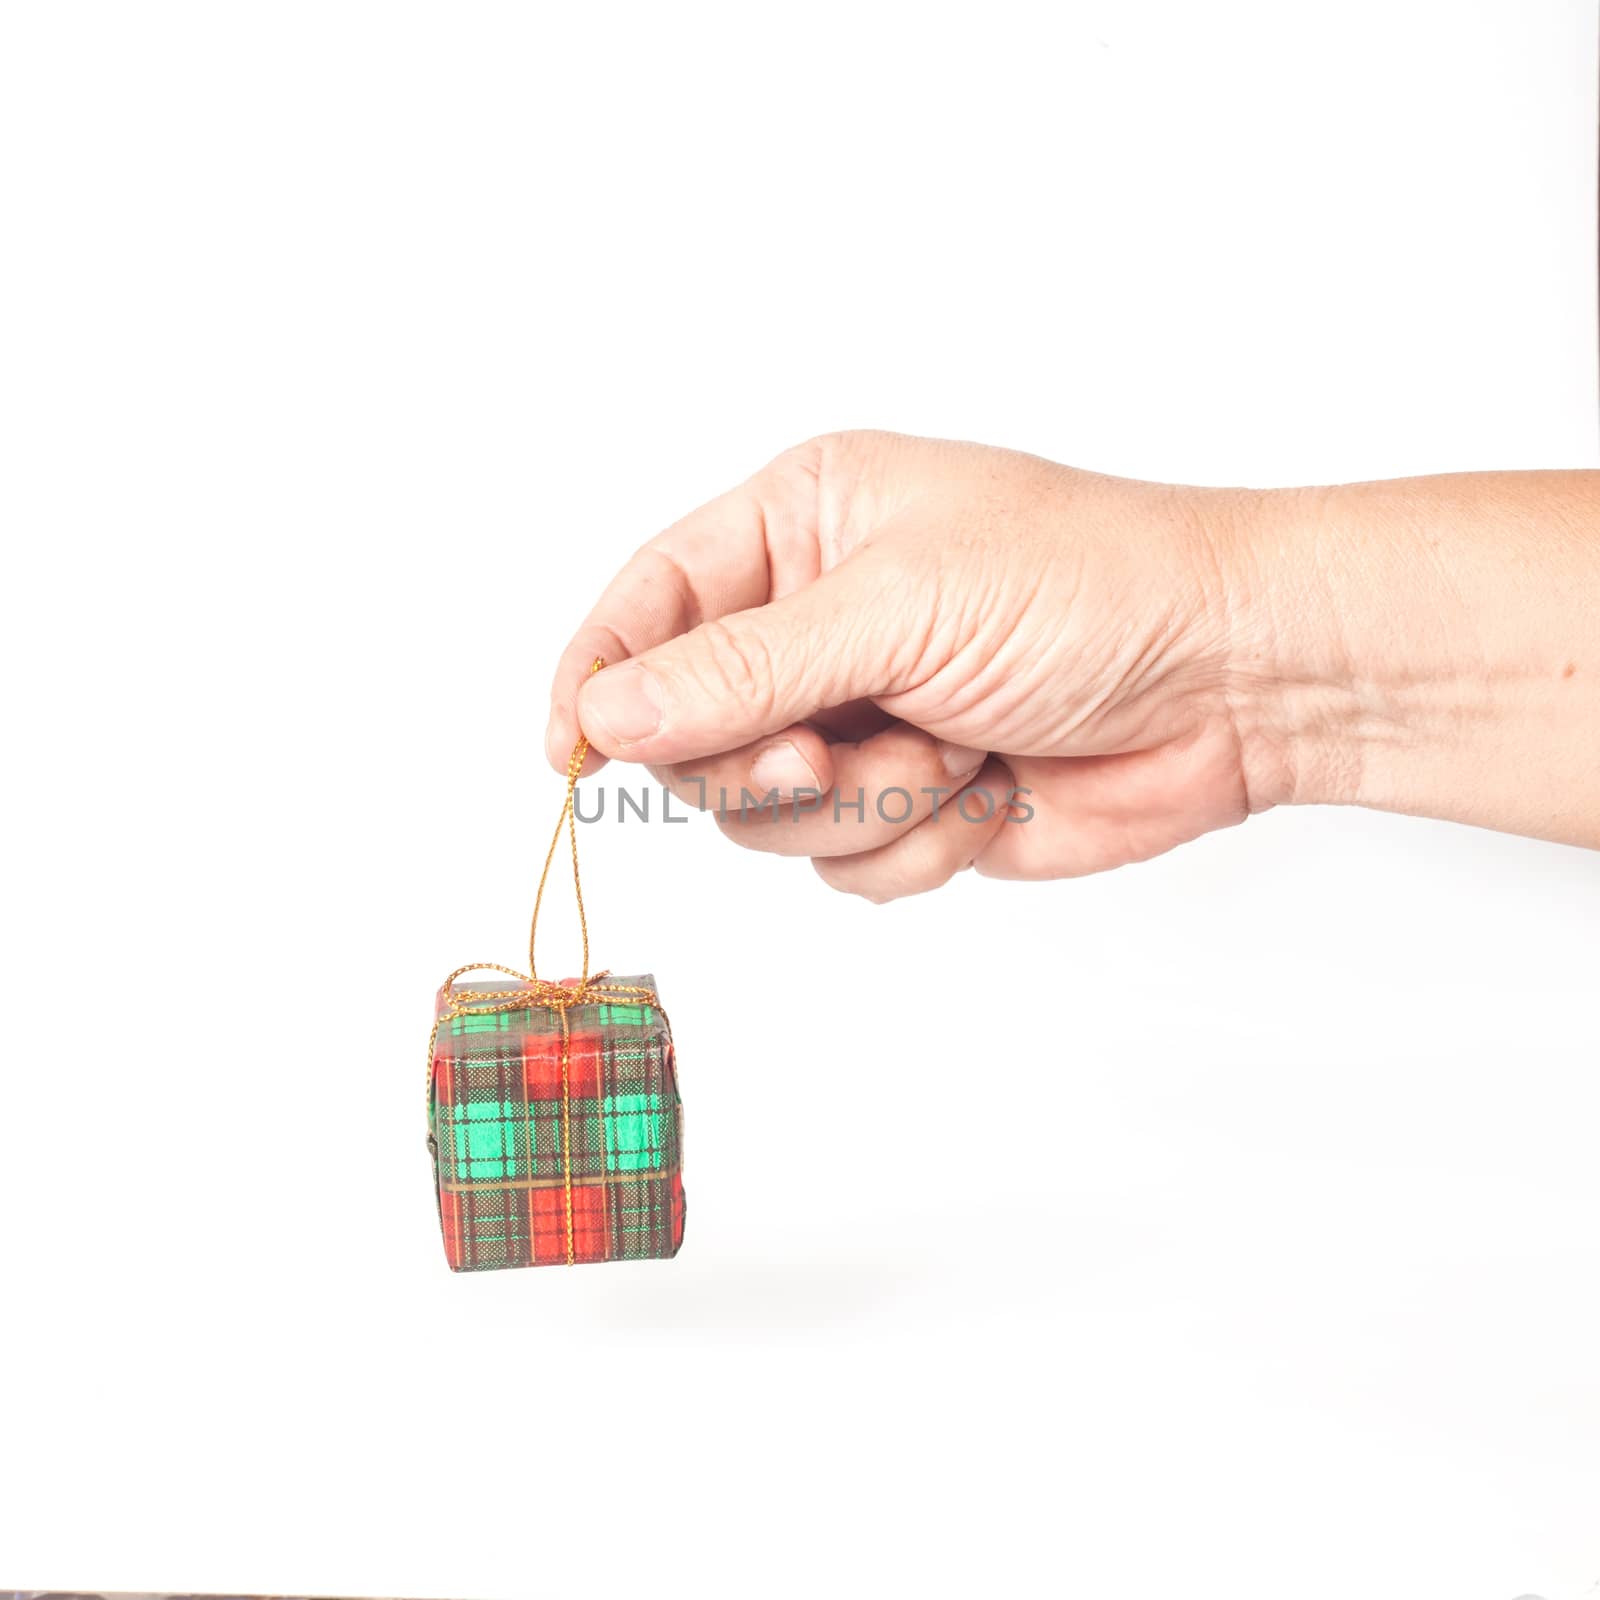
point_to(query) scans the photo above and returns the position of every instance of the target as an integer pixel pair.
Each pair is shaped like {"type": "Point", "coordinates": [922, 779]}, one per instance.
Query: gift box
{"type": "Point", "coordinates": [554, 1123]}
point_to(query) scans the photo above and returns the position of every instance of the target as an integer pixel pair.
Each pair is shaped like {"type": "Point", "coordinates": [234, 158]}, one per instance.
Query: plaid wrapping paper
{"type": "Point", "coordinates": [494, 1128]}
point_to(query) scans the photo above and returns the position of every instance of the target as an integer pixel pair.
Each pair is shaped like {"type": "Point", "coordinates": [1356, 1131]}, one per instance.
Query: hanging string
{"type": "Point", "coordinates": [568, 818]}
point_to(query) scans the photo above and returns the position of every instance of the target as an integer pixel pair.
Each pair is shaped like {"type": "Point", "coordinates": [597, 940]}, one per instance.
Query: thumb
{"type": "Point", "coordinates": [747, 674]}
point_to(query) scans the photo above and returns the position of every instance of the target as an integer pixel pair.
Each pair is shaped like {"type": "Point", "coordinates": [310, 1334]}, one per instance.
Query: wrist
{"type": "Point", "coordinates": [1424, 646]}
{"type": "Point", "coordinates": [1299, 696]}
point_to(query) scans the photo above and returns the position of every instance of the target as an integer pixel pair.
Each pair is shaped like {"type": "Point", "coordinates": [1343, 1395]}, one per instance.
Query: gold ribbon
{"type": "Point", "coordinates": [532, 990]}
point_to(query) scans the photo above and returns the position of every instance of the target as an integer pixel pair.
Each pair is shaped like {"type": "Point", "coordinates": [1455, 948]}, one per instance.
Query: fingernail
{"type": "Point", "coordinates": [781, 766]}
{"type": "Point", "coordinates": [625, 702]}
{"type": "Point", "coordinates": [959, 760]}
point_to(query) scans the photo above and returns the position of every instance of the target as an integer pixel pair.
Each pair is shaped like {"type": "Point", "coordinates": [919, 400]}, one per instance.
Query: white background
{"type": "Point", "coordinates": [1225, 1226]}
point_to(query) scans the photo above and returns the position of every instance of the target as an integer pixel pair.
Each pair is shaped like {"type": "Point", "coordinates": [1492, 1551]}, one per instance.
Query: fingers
{"type": "Point", "coordinates": [930, 854]}
{"type": "Point", "coordinates": [745, 547]}
{"type": "Point", "coordinates": [797, 794]}
{"type": "Point", "coordinates": [797, 760]}
{"type": "Point", "coordinates": [741, 677]}
{"type": "Point", "coordinates": [882, 788]}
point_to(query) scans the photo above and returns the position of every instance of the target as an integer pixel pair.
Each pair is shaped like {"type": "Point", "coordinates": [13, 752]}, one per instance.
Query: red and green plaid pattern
{"type": "Point", "coordinates": [494, 1125]}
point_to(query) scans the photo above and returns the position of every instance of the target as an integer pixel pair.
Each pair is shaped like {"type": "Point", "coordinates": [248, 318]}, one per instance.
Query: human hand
{"type": "Point", "coordinates": [872, 613]}
{"type": "Point", "coordinates": [1144, 662]}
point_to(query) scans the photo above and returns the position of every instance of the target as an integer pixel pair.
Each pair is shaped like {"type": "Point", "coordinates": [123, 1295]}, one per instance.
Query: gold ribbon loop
{"type": "Point", "coordinates": [569, 820]}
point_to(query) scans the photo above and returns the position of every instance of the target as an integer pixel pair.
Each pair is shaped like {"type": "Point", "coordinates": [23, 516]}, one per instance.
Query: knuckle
{"type": "Point", "coordinates": [838, 874]}
{"type": "Point", "coordinates": [658, 567]}
{"type": "Point", "coordinates": [877, 883]}
{"type": "Point", "coordinates": [737, 663]}
{"type": "Point", "coordinates": [828, 872]}
{"type": "Point", "coordinates": [925, 864]}
{"type": "Point", "coordinates": [832, 442]}
{"type": "Point", "coordinates": [994, 861]}
{"type": "Point", "coordinates": [923, 883]}
{"type": "Point", "coordinates": [842, 455]}
{"type": "Point", "coordinates": [804, 459]}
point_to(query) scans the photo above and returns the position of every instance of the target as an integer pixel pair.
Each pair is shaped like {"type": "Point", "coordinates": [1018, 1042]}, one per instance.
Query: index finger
{"type": "Point", "coordinates": [753, 544]}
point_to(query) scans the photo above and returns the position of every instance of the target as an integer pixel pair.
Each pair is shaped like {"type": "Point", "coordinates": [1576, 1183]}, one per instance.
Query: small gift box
{"type": "Point", "coordinates": [554, 1123]}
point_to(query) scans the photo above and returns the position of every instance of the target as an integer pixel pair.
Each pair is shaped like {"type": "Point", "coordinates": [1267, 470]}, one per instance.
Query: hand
{"type": "Point", "coordinates": [1140, 663]}
{"type": "Point", "coordinates": [883, 616]}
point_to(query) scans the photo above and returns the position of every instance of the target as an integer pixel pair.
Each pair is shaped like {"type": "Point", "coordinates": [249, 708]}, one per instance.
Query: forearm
{"type": "Point", "coordinates": [1428, 645]}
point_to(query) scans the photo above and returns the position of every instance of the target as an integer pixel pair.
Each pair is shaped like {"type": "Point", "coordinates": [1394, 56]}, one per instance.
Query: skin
{"type": "Point", "coordinates": [1147, 661]}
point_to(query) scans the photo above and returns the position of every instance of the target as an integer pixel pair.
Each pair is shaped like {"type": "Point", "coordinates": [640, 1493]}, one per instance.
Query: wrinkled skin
{"type": "Point", "coordinates": [874, 612]}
